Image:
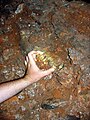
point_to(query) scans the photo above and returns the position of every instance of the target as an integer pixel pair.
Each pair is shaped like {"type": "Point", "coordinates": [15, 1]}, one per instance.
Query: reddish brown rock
{"type": "Point", "coordinates": [61, 29]}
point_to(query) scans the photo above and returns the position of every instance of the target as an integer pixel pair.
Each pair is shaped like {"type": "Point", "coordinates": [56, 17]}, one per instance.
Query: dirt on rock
{"type": "Point", "coordinates": [62, 30]}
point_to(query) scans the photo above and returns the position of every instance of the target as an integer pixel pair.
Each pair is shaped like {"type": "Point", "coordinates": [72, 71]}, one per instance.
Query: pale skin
{"type": "Point", "coordinates": [9, 89]}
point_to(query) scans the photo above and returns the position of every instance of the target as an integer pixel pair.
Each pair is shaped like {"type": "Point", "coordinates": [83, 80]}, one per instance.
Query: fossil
{"type": "Point", "coordinates": [46, 60]}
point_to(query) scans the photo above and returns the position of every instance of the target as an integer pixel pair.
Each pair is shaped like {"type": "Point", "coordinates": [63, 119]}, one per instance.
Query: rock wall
{"type": "Point", "coordinates": [61, 29]}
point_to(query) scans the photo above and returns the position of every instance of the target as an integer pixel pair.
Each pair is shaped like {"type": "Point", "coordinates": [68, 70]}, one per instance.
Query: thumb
{"type": "Point", "coordinates": [47, 72]}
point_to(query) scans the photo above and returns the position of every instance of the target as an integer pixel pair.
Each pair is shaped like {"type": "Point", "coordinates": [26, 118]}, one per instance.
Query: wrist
{"type": "Point", "coordinates": [29, 80]}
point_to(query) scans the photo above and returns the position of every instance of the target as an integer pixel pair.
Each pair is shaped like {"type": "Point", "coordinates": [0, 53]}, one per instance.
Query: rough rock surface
{"type": "Point", "coordinates": [62, 29]}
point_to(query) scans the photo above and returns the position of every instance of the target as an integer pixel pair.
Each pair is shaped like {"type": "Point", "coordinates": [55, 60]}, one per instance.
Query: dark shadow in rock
{"type": "Point", "coordinates": [69, 117]}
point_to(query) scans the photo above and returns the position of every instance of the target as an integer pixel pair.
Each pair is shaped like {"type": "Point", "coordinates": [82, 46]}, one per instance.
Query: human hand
{"type": "Point", "coordinates": [33, 72]}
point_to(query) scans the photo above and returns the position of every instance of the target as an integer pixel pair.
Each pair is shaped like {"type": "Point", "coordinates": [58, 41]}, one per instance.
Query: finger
{"type": "Point", "coordinates": [49, 71]}
{"type": "Point", "coordinates": [32, 52]}
{"type": "Point", "coordinates": [28, 61]}
{"type": "Point", "coordinates": [25, 63]}
{"type": "Point", "coordinates": [31, 58]}
{"type": "Point", "coordinates": [35, 52]}
{"type": "Point", "coordinates": [34, 57]}
{"type": "Point", "coordinates": [39, 52]}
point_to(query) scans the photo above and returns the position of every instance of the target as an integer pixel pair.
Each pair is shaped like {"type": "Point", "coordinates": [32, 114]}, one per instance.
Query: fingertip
{"type": "Point", "coordinates": [49, 71]}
